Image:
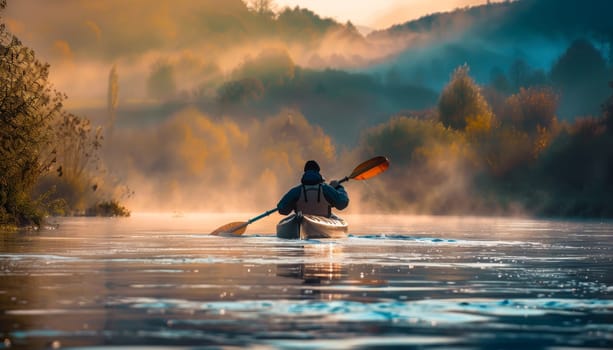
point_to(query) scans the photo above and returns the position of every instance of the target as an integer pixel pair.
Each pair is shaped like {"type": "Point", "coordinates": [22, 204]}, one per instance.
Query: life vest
{"type": "Point", "coordinates": [313, 202]}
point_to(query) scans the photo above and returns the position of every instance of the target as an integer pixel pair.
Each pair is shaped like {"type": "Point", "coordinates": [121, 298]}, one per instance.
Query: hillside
{"type": "Point", "coordinates": [522, 40]}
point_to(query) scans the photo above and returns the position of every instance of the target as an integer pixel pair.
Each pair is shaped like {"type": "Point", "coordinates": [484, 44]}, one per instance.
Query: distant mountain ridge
{"type": "Point", "coordinates": [550, 18]}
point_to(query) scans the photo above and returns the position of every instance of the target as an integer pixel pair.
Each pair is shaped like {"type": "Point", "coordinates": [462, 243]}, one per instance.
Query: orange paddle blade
{"type": "Point", "coordinates": [370, 168]}
{"type": "Point", "coordinates": [237, 228]}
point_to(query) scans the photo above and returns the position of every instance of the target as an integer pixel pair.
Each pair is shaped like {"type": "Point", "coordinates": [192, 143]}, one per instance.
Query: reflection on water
{"type": "Point", "coordinates": [396, 282]}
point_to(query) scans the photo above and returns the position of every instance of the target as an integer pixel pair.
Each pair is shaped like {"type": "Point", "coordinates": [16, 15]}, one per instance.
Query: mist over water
{"type": "Point", "coordinates": [404, 281]}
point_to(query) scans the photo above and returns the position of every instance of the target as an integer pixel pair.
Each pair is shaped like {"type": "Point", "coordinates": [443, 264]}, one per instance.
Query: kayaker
{"type": "Point", "coordinates": [314, 196]}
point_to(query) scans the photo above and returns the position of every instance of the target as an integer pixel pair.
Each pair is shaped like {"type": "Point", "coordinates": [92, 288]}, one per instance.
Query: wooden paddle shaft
{"type": "Point", "coordinates": [268, 212]}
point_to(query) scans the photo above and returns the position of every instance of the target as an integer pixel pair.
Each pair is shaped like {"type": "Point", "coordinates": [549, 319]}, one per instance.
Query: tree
{"type": "Point", "coordinates": [462, 106]}
{"type": "Point", "coordinates": [581, 62]}
{"type": "Point", "coordinates": [262, 7]}
{"type": "Point", "coordinates": [36, 135]}
{"type": "Point", "coordinates": [523, 76]}
{"type": "Point", "coordinates": [431, 172]}
{"type": "Point", "coordinates": [271, 67]}
{"type": "Point", "coordinates": [240, 91]}
{"type": "Point", "coordinates": [580, 75]}
{"type": "Point", "coordinates": [302, 25]}
{"type": "Point", "coordinates": [28, 105]}
{"type": "Point", "coordinates": [531, 109]}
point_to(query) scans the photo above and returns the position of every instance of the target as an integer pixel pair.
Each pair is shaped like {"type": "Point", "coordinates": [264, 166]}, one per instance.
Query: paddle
{"type": "Point", "coordinates": [368, 169]}
{"type": "Point", "coordinates": [364, 171]}
{"type": "Point", "coordinates": [239, 227]}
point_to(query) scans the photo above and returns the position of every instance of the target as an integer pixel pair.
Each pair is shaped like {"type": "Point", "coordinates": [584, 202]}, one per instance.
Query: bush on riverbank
{"type": "Point", "coordinates": [40, 140]}
{"type": "Point", "coordinates": [108, 208]}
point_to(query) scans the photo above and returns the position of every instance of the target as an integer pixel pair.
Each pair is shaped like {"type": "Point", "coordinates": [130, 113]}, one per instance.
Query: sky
{"type": "Point", "coordinates": [379, 14]}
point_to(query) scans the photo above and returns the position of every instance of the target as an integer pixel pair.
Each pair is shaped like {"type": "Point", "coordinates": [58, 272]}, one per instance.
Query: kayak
{"type": "Point", "coordinates": [299, 226]}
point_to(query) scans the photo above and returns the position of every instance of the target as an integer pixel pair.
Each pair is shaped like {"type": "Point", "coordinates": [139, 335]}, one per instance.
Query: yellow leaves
{"type": "Point", "coordinates": [462, 106]}
{"type": "Point", "coordinates": [542, 141]}
{"type": "Point", "coordinates": [199, 141]}
{"type": "Point", "coordinates": [480, 123]}
{"type": "Point", "coordinates": [433, 153]}
{"type": "Point", "coordinates": [226, 163]}
{"type": "Point", "coordinates": [531, 108]}
{"type": "Point", "coordinates": [507, 149]}
{"type": "Point", "coordinates": [524, 128]}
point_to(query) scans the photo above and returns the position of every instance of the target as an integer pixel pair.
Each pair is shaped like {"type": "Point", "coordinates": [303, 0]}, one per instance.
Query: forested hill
{"type": "Point", "coordinates": [516, 20]}
{"type": "Point", "coordinates": [511, 44]}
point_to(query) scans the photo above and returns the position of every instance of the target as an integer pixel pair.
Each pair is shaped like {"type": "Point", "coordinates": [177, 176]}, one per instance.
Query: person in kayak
{"type": "Point", "coordinates": [313, 196]}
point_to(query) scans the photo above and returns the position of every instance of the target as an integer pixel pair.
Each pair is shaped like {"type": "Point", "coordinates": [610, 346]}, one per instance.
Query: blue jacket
{"type": "Point", "coordinates": [337, 197]}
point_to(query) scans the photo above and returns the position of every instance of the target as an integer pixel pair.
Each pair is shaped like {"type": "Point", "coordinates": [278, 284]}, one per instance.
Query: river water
{"type": "Point", "coordinates": [397, 282]}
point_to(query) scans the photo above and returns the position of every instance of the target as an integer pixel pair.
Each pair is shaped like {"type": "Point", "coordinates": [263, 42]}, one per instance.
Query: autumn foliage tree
{"type": "Point", "coordinates": [28, 104]}
{"type": "Point", "coordinates": [577, 168]}
{"type": "Point", "coordinates": [462, 106]}
{"type": "Point", "coordinates": [425, 153]}
{"type": "Point", "coordinates": [38, 139]}
{"type": "Point", "coordinates": [533, 111]}
{"type": "Point", "coordinates": [581, 77]}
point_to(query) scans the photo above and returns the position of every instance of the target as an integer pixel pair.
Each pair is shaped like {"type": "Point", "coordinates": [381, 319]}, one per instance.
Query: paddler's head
{"type": "Point", "coordinates": [311, 165]}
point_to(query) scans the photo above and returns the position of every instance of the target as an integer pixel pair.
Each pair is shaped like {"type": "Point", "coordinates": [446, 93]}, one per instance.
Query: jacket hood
{"type": "Point", "coordinates": [311, 177]}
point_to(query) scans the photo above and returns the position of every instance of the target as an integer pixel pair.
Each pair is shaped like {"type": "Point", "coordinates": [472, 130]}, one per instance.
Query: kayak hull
{"type": "Point", "coordinates": [298, 226]}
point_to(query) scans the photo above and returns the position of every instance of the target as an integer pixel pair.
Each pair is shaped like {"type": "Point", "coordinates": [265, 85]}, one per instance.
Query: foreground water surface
{"type": "Point", "coordinates": [160, 281]}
